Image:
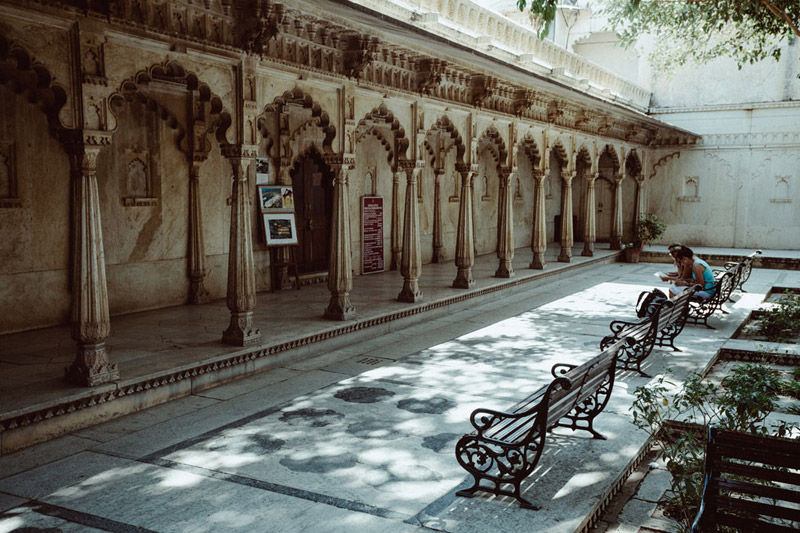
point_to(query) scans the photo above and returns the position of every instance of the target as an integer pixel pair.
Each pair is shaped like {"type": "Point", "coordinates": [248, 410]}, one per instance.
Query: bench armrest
{"type": "Point", "coordinates": [483, 419]}
{"type": "Point", "coordinates": [559, 369]}
{"type": "Point", "coordinates": [618, 325]}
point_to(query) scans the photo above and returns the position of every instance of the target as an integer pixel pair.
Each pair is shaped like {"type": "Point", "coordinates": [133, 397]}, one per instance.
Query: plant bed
{"type": "Point", "coordinates": [778, 321]}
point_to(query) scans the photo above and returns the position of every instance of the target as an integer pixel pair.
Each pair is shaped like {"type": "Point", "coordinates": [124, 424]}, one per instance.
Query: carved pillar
{"type": "Point", "coordinates": [340, 271]}
{"type": "Point", "coordinates": [567, 237]}
{"type": "Point", "coordinates": [505, 224]}
{"type": "Point", "coordinates": [641, 208]}
{"type": "Point", "coordinates": [438, 247]}
{"type": "Point", "coordinates": [197, 255]}
{"type": "Point", "coordinates": [616, 230]}
{"type": "Point", "coordinates": [590, 220]}
{"type": "Point", "coordinates": [241, 296]}
{"type": "Point", "coordinates": [465, 248]}
{"type": "Point", "coordinates": [397, 227]}
{"type": "Point", "coordinates": [90, 321]}
{"type": "Point", "coordinates": [539, 240]}
{"type": "Point", "coordinates": [411, 263]}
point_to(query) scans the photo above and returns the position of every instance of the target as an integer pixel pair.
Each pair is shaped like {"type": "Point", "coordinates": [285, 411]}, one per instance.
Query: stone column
{"type": "Point", "coordinates": [197, 255]}
{"type": "Point", "coordinates": [465, 248]}
{"type": "Point", "coordinates": [438, 247]}
{"type": "Point", "coordinates": [616, 230]}
{"type": "Point", "coordinates": [411, 263]}
{"type": "Point", "coordinates": [397, 227]}
{"type": "Point", "coordinates": [505, 225]}
{"type": "Point", "coordinates": [539, 240]}
{"type": "Point", "coordinates": [590, 222]}
{"type": "Point", "coordinates": [91, 325]}
{"type": "Point", "coordinates": [567, 237]}
{"type": "Point", "coordinates": [641, 210]}
{"type": "Point", "coordinates": [340, 270]}
{"type": "Point", "coordinates": [241, 297]}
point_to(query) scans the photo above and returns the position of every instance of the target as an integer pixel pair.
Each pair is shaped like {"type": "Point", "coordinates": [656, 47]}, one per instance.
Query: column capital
{"type": "Point", "coordinates": [239, 151]}
{"type": "Point", "coordinates": [81, 140]}
{"type": "Point", "coordinates": [342, 161]}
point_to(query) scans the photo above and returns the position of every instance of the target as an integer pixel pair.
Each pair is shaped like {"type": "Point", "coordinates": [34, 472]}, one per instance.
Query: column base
{"type": "Point", "coordinates": [241, 332]}
{"type": "Point", "coordinates": [588, 250]}
{"type": "Point", "coordinates": [616, 244]}
{"type": "Point", "coordinates": [91, 366]}
{"type": "Point", "coordinates": [463, 279]}
{"type": "Point", "coordinates": [438, 255]}
{"type": "Point", "coordinates": [538, 261]}
{"type": "Point", "coordinates": [396, 258]}
{"type": "Point", "coordinates": [504, 270]}
{"type": "Point", "coordinates": [198, 293]}
{"type": "Point", "coordinates": [410, 292]}
{"type": "Point", "coordinates": [565, 256]}
{"type": "Point", "coordinates": [340, 307]}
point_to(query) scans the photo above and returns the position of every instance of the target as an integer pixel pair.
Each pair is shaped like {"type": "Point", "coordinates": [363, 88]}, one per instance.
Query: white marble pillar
{"type": "Point", "coordinates": [641, 198]}
{"type": "Point", "coordinates": [197, 255]}
{"type": "Point", "coordinates": [505, 225]}
{"type": "Point", "coordinates": [397, 225]}
{"type": "Point", "coordinates": [241, 297]}
{"type": "Point", "coordinates": [340, 270]}
{"type": "Point", "coordinates": [438, 247]}
{"type": "Point", "coordinates": [411, 261]}
{"type": "Point", "coordinates": [567, 234]}
{"type": "Point", "coordinates": [91, 325]}
{"type": "Point", "coordinates": [539, 239]}
{"type": "Point", "coordinates": [465, 247]}
{"type": "Point", "coordinates": [616, 229]}
{"type": "Point", "coordinates": [590, 220]}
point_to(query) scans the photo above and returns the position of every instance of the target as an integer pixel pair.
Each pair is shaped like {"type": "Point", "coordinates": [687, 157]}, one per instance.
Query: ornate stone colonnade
{"type": "Point", "coordinates": [130, 131]}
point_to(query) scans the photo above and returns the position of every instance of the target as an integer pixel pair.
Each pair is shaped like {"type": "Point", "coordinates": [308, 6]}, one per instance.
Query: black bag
{"type": "Point", "coordinates": [648, 302]}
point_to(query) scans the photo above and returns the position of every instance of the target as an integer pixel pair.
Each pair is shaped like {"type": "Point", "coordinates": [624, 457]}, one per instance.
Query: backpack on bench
{"type": "Point", "coordinates": [648, 302]}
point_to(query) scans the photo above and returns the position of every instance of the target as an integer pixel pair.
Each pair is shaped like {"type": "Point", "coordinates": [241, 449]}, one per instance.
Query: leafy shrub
{"type": "Point", "coordinates": [782, 321]}
{"type": "Point", "coordinates": [677, 424]}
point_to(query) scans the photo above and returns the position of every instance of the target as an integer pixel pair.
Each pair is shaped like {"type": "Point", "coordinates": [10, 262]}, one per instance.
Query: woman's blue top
{"type": "Point", "coordinates": [708, 276]}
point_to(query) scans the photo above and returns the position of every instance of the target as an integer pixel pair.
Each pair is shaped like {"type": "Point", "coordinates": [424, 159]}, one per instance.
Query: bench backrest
{"type": "Point", "coordinates": [676, 310]}
{"type": "Point", "coordinates": [757, 477]}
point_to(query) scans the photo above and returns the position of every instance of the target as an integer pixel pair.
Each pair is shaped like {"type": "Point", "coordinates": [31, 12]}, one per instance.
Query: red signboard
{"type": "Point", "coordinates": [371, 234]}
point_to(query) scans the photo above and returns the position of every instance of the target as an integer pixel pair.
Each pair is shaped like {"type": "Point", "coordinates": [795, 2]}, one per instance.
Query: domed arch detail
{"type": "Point", "coordinates": [492, 139]}
{"type": "Point", "coordinates": [269, 122]}
{"type": "Point", "coordinates": [382, 123]}
{"type": "Point", "coordinates": [445, 127]}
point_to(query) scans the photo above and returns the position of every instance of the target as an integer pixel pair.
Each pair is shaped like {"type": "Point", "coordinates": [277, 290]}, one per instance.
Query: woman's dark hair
{"type": "Point", "coordinates": [684, 251]}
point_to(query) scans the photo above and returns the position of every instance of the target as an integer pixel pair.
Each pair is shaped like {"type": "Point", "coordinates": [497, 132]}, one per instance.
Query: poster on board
{"type": "Point", "coordinates": [275, 197]}
{"type": "Point", "coordinates": [279, 228]}
{"type": "Point", "coordinates": [262, 170]}
{"type": "Point", "coordinates": [372, 234]}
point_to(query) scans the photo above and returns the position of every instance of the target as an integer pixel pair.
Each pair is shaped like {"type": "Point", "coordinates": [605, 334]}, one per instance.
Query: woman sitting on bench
{"type": "Point", "coordinates": [700, 272]}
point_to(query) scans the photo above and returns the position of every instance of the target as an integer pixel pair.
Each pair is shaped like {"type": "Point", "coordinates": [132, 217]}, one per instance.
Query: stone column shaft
{"type": "Point", "coordinates": [641, 210]}
{"type": "Point", "coordinates": [397, 226]}
{"type": "Point", "coordinates": [539, 239]}
{"type": "Point", "coordinates": [340, 270]}
{"type": "Point", "coordinates": [567, 237]}
{"type": "Point", "coordinates": [91, 325]}
{"type": "Point", "coordinates": [411, 262]}
{"type": "Point", "coordinates": [197, 255]}
{"type": "Point", "coordinates": [616, 230]}
{"type": "Point", "coordinates": [438, 247]}
{"type": "Point", "coordinates": [465, 247]}
{"type": "Point", "coordinates": [505, 224]}
{"type": "Point", "coordinates": [590, 222]}
{"type": "Point", "coordinates": [241, 297]}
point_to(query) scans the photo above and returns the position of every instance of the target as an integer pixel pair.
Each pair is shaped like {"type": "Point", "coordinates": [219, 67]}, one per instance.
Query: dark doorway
{"type": "Point", "coordinates": [313, 195]}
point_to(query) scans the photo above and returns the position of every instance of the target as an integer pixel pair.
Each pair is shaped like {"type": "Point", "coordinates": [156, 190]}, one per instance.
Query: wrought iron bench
{"type": "Point", "coordinates": [506, 446]}
{"type": "Point", "coordinates": [701, 309]}
{"type": "Point", "coordinates": [752, 483]}
{"type": "Point", "coordinates": [659, 328]}
{"type": "Point", "coordinates": [742, 270]}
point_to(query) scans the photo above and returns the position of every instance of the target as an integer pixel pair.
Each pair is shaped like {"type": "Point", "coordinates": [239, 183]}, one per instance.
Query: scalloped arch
{"type": "Point", "coordinates": [633, 165]}
{"type": "Point", "coordinates": [584, 156]}
{"type": "Point", "coordinates": [381, 118]}
{"type": "Point", "coordinates": [497, 146]}
{"type": "Point", "coordinates": [446, 126]}
{"type": "Point", "coordinates": [299, 98]}
{"type": "Point", "coordinates": [560, 152]}
{"type": "Point", "coordinates": [529, 147]}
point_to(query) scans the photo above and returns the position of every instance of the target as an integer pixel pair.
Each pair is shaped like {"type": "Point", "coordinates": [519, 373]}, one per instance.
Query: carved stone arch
{"type": "Point", "coordinates": [173, 72]}
{"type": "Point", "coordinates": [633, 165]}
{"type": "Point", "coordinates": [492, 138]}
{"type": "Point", "coordinates": [560, 153]}
{"type": "Point", "coordinates": [530, 149]}
{"type": "Point", "coordinates": [269, 124]}
{"type": "Point", "coordinates": [382, 123]}
{"type": "Point", "coordinates": [448, 130]}
{"type": "Point", "coordinates": [130, 92]}
{"type": "Point", "coordinates": [584, 155]}
{"type": "Point", "coordinates": [611, 152]}
{"type": "Point", "coordinates": [27, 76]}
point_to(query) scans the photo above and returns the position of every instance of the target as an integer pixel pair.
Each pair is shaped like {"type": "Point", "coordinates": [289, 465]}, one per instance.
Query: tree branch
{"type": "Point", "coordinates": [778, 12]}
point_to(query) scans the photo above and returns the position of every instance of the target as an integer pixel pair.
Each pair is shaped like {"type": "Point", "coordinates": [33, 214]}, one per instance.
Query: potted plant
{"type": "Point", "coordinates": [647, 228]}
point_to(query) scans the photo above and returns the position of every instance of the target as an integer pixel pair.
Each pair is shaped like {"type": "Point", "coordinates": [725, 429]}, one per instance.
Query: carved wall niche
{"type": "Point", "coordinates": [136, 145]}
{"type": "Point", "coordinates": [9, 191]}
{"type": "Point", "coordinates": [782, 191]}
{"type": "Point", "coordinates": [691, 189]}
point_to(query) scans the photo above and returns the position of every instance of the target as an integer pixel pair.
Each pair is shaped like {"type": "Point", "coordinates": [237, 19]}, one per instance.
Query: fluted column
{"type": "Point", "coordinates": [340, 271]}
{"type": "Point", "coordinates": [590, 220]}
{"type": "Point", "coordinates": [438, 247]}
{"type": "Point", "coordinates": [197, 255]}
{"type": "Point", "coordinates": [616, 230]}
{"type": "Point", "coordinates": [411, 262]}
{"type": "Point", "coordinates": [539, 239]}
{"type": "Point", "coordinates": [397, 226]}
{"type": "Point", "coordinates": [241, 297]}
{"type": "Point", "coordinates": [465, 247]}
{"type": "Point", "coordinates": [641, 210]}
{"type": "Point", "coordinates": [567, 237]}
{"type": "Point", "coordinates": [505, 224]}
{"type": "Point", "coordinates": [91, 325]}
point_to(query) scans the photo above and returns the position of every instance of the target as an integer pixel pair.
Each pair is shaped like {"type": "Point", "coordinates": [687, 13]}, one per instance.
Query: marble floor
{"type": "Point", "coordinates": [361, 438]}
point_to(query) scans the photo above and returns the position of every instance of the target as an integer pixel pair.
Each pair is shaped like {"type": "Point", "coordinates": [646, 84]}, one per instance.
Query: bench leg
{"type": "Point", "coordinates": [517, 494]}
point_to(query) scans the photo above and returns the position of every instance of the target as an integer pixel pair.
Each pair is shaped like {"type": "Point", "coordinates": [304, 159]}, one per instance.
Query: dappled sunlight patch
{"type": "Point", "coordinates": [580, 481]}
{"type": "Point", "coordinates": [101, 481]}
{"type": "Point", "coordinates": [176, 478]}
